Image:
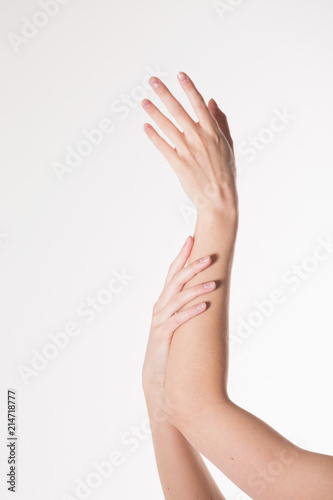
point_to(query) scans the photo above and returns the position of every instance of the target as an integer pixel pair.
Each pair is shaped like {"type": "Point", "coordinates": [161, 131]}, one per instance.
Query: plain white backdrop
{"type": "Point", "coordinates": [66, 231]}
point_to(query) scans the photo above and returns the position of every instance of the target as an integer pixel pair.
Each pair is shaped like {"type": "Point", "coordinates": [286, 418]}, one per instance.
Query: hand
{"type": "Point", "coordinates": [164, 320]}
{"type": "Point", "coordinates": [203, 157]}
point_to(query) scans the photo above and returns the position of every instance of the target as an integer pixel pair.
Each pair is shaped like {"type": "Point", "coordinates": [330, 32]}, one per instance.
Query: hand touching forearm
{"type": "Point", "coordinates": [199, 350]}
{"type": "Point", "coordinates": [182, 471]}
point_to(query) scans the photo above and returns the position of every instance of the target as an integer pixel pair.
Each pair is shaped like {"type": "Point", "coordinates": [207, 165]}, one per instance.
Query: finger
{"type": "Point", "coordinates": [172, 105]}
{"type": "Point", "coordinates": [222, 121]}
{"type": "Point", "coordinates": [197, 102]}
{"type": "Point", "coordinates": [181, 259]}
{"type": "Point", "coordinates": [167, 151]}
{"type": "Point", "coordinates": [171, 325]}
{"type": "Point", "coordinates": [181, 277]}
{"type": "Point", "coordinates": [166, 125]}
{"type": "Point", "coordinates": [184, 275]}
{"type": "Point", "coordinates": [183, 298]}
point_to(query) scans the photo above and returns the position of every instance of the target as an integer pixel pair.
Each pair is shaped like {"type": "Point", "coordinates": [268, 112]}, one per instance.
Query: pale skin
{"type": "Point", "coordinates": [186, 364]}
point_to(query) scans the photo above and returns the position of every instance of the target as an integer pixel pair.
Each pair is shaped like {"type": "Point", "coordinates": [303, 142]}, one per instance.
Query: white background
{"type": "Point", "coordinates": [122, 208]}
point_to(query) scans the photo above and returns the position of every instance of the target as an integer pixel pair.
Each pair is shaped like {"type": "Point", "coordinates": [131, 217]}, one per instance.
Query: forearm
{"type": "Point", "coordinates": [198, 359]}
{"type": "Point", "coordinates": [182, 471]}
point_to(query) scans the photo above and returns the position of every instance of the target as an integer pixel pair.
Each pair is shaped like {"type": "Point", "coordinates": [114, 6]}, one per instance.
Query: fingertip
{"type": "Point", "coordinates": [145, 103]}
{"type": "Point", "coordinates": [182, 77]}
{"type": "Point", "coordinates": [188, 245]}
{"type": "Point", "coordinates": [201, 306]}
{"type": "Point", "coordinates": [205, 260]}
{"type": "Point", "coordinates": [154, 81]}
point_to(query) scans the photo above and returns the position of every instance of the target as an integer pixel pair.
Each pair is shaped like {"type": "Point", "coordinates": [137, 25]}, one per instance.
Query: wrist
{"type": "Point", "coordinates": [219, 209]}
{"type": "Point", "coordinates": [220, 215]}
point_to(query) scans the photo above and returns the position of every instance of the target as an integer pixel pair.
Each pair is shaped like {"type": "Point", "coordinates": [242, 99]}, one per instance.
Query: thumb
{"type": "Point", "coordinates": [221, 119]}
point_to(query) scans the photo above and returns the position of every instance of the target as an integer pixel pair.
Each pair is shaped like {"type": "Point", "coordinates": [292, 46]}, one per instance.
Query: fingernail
{"type": "Point", "coordinates": [200, 306]}
{"type": "Point", "coordinates": [187, 240]}
{"type": "Point", "coordinates": [145, 103]}
{"type": "Point", "coordinates": [154, 82]}
{"type": "Point", "coordinates": [182, 76]}
{"type": "Point", "coordinates": [204, 259]}
{"type": "Point", "coordinates": [209, 285]}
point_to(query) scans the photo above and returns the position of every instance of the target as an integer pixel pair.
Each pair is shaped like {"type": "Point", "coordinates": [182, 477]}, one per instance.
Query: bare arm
{"type": "Point", "coordinates": [254, 456]}
{"type": "Point", "coordinates": [182, 471]}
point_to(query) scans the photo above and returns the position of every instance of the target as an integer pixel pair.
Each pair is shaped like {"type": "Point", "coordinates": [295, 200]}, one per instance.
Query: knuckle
{"type": "Point", "coordinates": [162, 90]}
{"type": "Point", "coordinates": [197, 264]}
{"type": "Point", "coordinates": [155, 308]}
{"type": "Point", "coordinates": [171, 267]}
{"type": "Point", "coordinates": [176, 279]}
{"type": "Point", "coordinates": [191, 293]}
{"type": "Point", "coordinates": [177, 319]}
{"type": "Point", "coordinates": [215, 136]}
{"type": "Point", "coordinates": [184, 160]}
{"type": "Point", "coordinates": [201, 103]}
{"type": "Point", "coordinates": [188, 313]}
{"type": "Point", "coordinates": [202, 141]}
{"type": "Point", "coordinates": [178, 110]}
{"type": "Point", "coordinates": [177, 301]}
{"type": "Point", "coordinates": [158, 331]}
{"type": "Point", "coordinates": [154, 324]}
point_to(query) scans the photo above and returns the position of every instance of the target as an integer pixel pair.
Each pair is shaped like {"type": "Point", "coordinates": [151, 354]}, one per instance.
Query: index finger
{"type": "Point", "coordinates": [181, 259]}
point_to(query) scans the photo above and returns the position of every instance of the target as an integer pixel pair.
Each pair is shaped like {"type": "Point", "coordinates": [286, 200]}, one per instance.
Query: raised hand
{"type": "Point", "coordinates": [202, 156]}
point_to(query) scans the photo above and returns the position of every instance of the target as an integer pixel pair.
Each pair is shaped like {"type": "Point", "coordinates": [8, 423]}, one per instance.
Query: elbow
{"type": "Point", "coordinates": [178, 408]}
{"type": "Point", "coordinates": [189, 410]}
